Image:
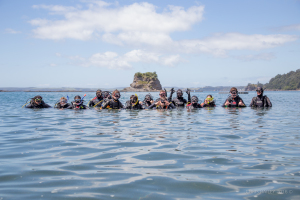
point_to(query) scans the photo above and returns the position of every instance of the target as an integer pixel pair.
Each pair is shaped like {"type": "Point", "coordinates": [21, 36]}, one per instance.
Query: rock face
{"type": "Point", "coordinates": [144, 82]}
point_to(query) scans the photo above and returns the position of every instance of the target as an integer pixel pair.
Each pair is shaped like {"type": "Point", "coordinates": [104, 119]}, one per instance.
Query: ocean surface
{"type": "Point", "coordinates": [209, 153]}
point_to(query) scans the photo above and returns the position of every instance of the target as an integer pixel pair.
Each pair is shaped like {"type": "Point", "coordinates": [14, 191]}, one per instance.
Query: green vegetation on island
{"type": "Point", "coordinates": [150, 75]}
{"type": "Point", "coordinates": [289, 81]}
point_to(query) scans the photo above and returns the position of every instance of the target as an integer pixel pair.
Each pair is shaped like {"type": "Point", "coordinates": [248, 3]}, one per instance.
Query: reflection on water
{"type": "Point", "coordinates": [209, 153]}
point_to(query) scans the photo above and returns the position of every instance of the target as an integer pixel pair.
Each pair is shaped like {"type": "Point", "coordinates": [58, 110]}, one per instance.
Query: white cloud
{"type": "Point", "coordinates": [11, 31]}
{"type": "Point", "coordinates": [139, 25]}
{"type": "Point", "coordinates": [136, 19]}
{"type": "Point", "coordinates": [53, 65]}
{"type": "Point", "coordinates": [221, 43]}
{"type": "Point", "coordinates": [113, 60]}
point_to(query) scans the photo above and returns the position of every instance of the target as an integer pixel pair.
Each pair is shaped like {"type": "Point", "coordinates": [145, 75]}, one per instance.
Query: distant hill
{"type": "Point", "coordinates": [289, 81]}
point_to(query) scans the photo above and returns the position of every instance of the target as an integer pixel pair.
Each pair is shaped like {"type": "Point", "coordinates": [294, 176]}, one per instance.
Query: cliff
{"type": "Point", "coordinates": [144, 82]}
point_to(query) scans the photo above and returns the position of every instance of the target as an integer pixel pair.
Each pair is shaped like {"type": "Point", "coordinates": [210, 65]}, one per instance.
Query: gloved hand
{"type": "Point", "coordinates": [172, 90]}
{"type": "Point", "coordinates": [188, 91]}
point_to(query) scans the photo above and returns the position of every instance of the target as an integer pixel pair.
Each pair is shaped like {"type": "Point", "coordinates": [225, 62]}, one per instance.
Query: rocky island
{"type": "Point", "coordinates": [144, 82]}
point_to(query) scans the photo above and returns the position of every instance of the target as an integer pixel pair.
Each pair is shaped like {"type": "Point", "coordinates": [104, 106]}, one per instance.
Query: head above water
{"type": "Point", "coordinates": [162, 94]}
{"type": "Point", "coordinates": [179, 93]}
{"type": "Point", "coordinates": [133, 99]}
{"type": "Point", "coordinates": [77, 99]}
{"type": "Point", "coordinates": [259, 90]}
{"type": "Point", "coordinates": [233, 92]}
{"type": "Point", "coordinates": [194, 99]}
{"type": "Point", "coordinates": [148, 97]}
{"type": "Point", "coordinates": [116, 94]}
{"type": "Point", "coordinates": [99, 93]}
{"type": "Point", "coordinates": [63, 101]}
{"type": "Point", "coordinates": [37, 99]}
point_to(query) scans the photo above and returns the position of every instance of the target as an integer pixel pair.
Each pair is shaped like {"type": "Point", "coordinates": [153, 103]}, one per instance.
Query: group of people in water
{"type": "Point", "coordinates": [107, 100]}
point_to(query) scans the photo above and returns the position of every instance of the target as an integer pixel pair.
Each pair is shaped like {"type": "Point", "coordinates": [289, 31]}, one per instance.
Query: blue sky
{"type": "Point", "coordinates": [101, 44]}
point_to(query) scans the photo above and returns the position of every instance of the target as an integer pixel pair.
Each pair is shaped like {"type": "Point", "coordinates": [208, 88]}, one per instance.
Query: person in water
{"type": "Point", "coordinates": [63, 103]}
{"type": "Point", "coordinates": [179, 101]}
{"type": "Point", "coordinates": [194, 103]}
{"type": "Point", "coordinates": [77, 104]}
{"type": "Point", "coordinates": [37, 102]}
{"type": "Point", "coordinates": [208, 102]}
{"type": "Point", "coordinates": [97, 100]}
{"type": "Point", "coordinates": [113, 103]}
{"type": "Point", "coordinates": [234, 100]}
{"type": "Point", "coordinates": [107, 95]}
{"type": "Point", "coordinates": [260, 100]}
{"type": "Point", "coordinates": [148, 101]}
{"type": "Point", "coordinates": [133, 103]}
{"type": "Point", "coordinates": [162, 102]}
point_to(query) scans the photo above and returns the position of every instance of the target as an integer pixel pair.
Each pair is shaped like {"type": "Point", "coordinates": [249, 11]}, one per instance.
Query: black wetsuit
{"type": "Point", "coordinates": [61, 107]}
{"type": "Point", "coordinates": [193, 105]}
{"type": "Point", "coordinates": [153, 106]}
{"type": "Point", "coordinates": [135, 107]}
{"type": "Point", "coordinates": [77, 107]}
{"type": "Point", "coordinates": [34, 105]}
{"type": "Point", "coordinates": [96, 101]}
{"type": "Point", "coordinates": [146, 104]}
{"type": "Point", "coordinates": [234, 102]}
{"type": "Point", "coordinates": [112, 104]}
{"type": "Point", "coordinates": [260, 101]}
{"type": "Point", "coordinates": [179, 102]}
{"type": "Point", "coordinates": [212, 104]}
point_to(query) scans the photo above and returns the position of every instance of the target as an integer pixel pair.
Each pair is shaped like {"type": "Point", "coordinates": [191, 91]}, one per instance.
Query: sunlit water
{"type": "Point", "coordinates": [150, 154]}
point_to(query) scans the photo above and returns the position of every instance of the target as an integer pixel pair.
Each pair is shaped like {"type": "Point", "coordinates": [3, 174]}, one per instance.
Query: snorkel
{"type": "Point", "coordinates": [209, 100]}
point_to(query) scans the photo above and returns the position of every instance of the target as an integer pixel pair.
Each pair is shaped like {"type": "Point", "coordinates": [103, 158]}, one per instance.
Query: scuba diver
{"type": "Point", "coordinates": [208, 102]}
{"type": "Point", "coordinates": [234, 100]}
{"type": "Point", "coordinates": [97, 100]}
{"type": "Point", "coordinates": [179, 101]}
{"type": "Point", "coordinates": [194, 103]}
{"type": "Point", "coordinates": [260, 100]}
{"type": "Point", "coordinates": [106, 95]}
{"type": "Point", "coordinates": [113, 103]}
{"type": "Point", "coordinates": [162, 102]}
{"type": "Point", "coordinates": [147, 101]}
{"type": "Point", "coordinates": [37, 102]}
{"type": "Point", "coordinates": [77, 104]}
{"type": "Point", "coordinates": [133, 103]}
{"type": "Point", "coordinates": [63, 103]}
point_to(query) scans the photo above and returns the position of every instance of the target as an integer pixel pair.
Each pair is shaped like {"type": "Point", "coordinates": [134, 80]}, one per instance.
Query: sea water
{"type": "Point", "coordinates": [209, 153]}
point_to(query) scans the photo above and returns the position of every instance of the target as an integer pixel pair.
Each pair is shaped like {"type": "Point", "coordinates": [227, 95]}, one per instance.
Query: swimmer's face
{"type": "Point", "coordinates": [233, 93]}
{"type": "Point", "coordinates": [258, 92]}
{"type": "Point", "coordinates": [99, 94]}
{"type": "Point", "coordinates": [38, 101]}
{"type": "Point", "coordinates": [63, 102]}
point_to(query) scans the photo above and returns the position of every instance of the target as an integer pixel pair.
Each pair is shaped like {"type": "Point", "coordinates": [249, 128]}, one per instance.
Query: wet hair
{"type": "Point", "coordinates": [98, 91]}
{"type": "Point", "coordinates": [133, 97]}
{"type": "Point", "coordinates": [148, 95]}
{"type": "Point", "coordinates": [78, 97]}
{"type": "Point", "coordinates": [63, 98]}
{"type": "Point", "coordinates": [162, 91]}
{"type": "Point", "coordinates": [209, 95]}
{"type": "Point", "coordinates": [114, 92]}
{"type": "Point", "coordinates": [233, 89]}
{"type": "Point", "coordinates": [37, 97]}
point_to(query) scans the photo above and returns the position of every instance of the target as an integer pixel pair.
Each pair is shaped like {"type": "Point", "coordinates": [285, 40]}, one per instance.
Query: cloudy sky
{"type": "Point", "coordinates": [92, 43]}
